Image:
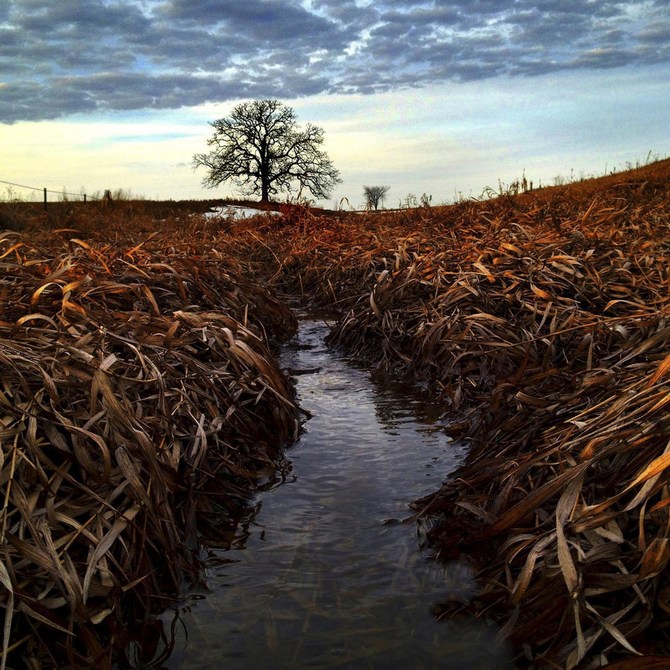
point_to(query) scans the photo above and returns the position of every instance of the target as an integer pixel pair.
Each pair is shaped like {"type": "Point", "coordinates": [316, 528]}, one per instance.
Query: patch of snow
{"type": "Point", "coordinates": [236, 212]}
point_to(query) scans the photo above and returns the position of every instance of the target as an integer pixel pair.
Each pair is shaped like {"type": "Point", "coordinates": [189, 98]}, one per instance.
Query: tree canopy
{"type": "Point", "coordinates": [374, 195]}
{"type": "Point", "coordinates": [262, 150]}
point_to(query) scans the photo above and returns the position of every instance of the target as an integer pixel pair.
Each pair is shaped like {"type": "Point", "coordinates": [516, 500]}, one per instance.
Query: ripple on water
{"type": "Point", "coordinates": [323, 580]}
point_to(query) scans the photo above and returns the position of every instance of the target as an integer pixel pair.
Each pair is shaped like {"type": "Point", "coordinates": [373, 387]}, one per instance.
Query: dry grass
{"type": "Point", "coordinates": [539, 320]}
{"type": "Point", "coordinates": [133, 380]}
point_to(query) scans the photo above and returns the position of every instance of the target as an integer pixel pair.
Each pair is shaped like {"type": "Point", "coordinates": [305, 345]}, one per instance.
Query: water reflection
{"type": "Point", "coordinates": [324, 573]}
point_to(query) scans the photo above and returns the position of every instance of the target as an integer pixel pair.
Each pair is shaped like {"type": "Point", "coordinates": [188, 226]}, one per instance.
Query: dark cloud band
{"type": "Point", "coordinates": [86, 55]}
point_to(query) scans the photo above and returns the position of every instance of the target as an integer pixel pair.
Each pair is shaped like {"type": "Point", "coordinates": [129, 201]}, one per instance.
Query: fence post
{"type": "Point", "coordinates": [45, 200]}
{"type": "Point", "coordinates": [84, 197]}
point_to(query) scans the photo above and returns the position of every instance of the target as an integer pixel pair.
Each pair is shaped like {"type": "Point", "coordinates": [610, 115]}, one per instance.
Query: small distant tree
{"type": "Point", "coordinates": [409, 202]}
{"type": "Point", "coordinates": [375, 195]}
{"type": "Point", "coordinates": [263, 151]}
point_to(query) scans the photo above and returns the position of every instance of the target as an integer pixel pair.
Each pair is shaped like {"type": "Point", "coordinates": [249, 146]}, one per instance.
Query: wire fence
{"type": "Point", "coordinates": [46, 191]}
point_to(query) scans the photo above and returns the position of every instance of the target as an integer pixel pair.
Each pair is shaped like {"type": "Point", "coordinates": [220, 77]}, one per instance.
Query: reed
{"type": "Point", "coordinates": [137, 372]}
{"type": "Point", "coordinates": [134, 381]}
{"type": "Point", "coordinates": [541, 322]}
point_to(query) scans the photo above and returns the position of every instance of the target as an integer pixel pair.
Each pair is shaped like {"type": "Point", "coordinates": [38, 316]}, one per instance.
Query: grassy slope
{"type": "Point", "coordinates": [539, 320]}
{"type": "Point", "coordinates": [139, 399]}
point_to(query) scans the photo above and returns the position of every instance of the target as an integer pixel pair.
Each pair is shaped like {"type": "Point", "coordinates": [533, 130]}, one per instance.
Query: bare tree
{"type": "Point", "coordinates": [374, 195]}
{"type": "Point", "coordinates": [262, 150]}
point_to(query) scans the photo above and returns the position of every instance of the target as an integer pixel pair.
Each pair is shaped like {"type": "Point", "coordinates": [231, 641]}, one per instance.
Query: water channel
{"type": "Point", "coordinates": [326, 576]}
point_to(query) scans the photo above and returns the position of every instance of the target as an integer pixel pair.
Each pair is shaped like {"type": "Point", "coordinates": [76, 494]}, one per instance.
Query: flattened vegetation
{"type": "Point", "coordinates": [541, 321]}
{"type": "Point", "coordinates": [138, 371]}
{"type": "Point", "coordinates": [134, 382]}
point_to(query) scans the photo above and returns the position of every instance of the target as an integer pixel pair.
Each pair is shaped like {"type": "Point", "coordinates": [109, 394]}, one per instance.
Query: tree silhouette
{"type": "Point", "coordinates": [262, 150]}
{"type": "Point", "coordinates": [374, 195]}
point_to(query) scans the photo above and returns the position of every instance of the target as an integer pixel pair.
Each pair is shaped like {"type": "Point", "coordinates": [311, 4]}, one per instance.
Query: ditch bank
{"type": "Point", "coordinates": [540, 322]}
{"type": "Point", "coordinates": [325, 569]}
{"type": "Point", "coordinates": [140, 403]}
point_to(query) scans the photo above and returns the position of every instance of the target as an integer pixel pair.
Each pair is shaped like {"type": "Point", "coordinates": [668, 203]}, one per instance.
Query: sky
{"type": "Point", "coordinates": [440, 97]}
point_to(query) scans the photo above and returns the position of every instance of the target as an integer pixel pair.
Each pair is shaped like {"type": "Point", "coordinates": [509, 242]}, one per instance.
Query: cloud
{"type": "Point", "coordinates": [77, 56]}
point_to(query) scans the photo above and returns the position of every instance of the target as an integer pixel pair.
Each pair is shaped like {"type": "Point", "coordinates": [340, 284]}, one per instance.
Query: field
{"type": "Point", "coordinates": [141, 401]}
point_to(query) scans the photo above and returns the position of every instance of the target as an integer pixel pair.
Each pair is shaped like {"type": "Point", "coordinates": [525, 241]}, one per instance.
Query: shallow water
{"type": "Point", "coordinates": [326, 576]}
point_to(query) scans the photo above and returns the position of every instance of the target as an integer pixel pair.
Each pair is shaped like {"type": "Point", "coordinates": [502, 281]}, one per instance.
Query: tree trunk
{"type": "Point", "coordinates": [265, 195]}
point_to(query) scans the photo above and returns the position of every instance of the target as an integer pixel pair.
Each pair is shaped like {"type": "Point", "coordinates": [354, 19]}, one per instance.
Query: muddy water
{"type": "Point", "coordinates": [325, 576]}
